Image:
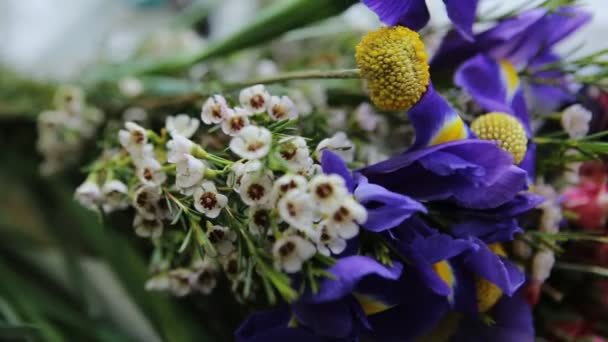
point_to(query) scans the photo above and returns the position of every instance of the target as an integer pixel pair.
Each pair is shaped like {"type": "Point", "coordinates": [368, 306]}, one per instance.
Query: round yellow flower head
{"type": "Point", "coordinates": [488, 294]}
{"type": "Point", "coordinates": [504, 129]}
{"type": "Point", "coordinates": [394, 64]}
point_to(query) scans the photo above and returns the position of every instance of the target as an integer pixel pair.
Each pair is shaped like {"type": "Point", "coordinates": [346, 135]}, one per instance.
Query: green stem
{"type": "Point", "coordinates": [298, 75]}
{"type": "Point", "coordinates": [601, 271]}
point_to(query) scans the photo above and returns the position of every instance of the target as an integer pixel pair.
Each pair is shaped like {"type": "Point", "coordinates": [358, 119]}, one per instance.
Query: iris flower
{"type": "Point", "coordinates": [488, 67]}
{"type": "Point", "coordinates": [414, 14]}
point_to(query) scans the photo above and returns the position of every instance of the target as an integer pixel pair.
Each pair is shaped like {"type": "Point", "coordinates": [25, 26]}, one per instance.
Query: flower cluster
{"type": "Point", "coordinates": [63, 131]}
{"type": "Point", "coordinates": [262, 204]}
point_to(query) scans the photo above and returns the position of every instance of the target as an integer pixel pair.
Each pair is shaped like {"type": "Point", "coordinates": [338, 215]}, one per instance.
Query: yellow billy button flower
{"type": "Point", "coordinates": [393, 61]}
{"type": "Point", "coordinates": [504, 129]}
{"type": "Point", "coordinates": [488, 294]}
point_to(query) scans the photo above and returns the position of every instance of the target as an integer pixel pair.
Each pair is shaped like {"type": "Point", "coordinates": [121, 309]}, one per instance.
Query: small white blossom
{"type": "Point", "coordinates": [208, 201]}
{"type": "Point", "coordinates": [329, 191]}
{"type": "Point", "coordinates": [259, 219]}
{"type": "Point", "coordinates": [159, 282]}
{"type": "Point", "coordinates": [203, 279]}
{"type": "Point", "coordinates": [303, 105]}
{"type": "Point", "coordinates": [340, 144]}
{"type": "Point", "coordinates": [287, 183]}
{"type": "Point", "coordinates": [138, 155]}
{"type": "Point", "coordinates": [149, 172]}
{"type": "Point", "coordinates": [89, 195]}
{"type": "Point", "coordinates": [145, 200]}
{"type": "Point", "coordinates": [215, 110]}
{"type": "Point", "coordinates": [130, 87]}
{"type": "Point", "coordinates": [293, 151]}
{"type": "Point", "coordinates": [291, 251]}
{"type": "Point", "coordinates": [147, 228]}
{"type": "Point", "coordinates": [189, 172]}
{"type": "Point", "coordinates": [252, 143]}
{"type": "Point", "coordinates": [182, 124]}
{"type": "Point", "coordinates": [542, 264]}
{"type": "Point", "coordinates": [178, 148]}
{"type": "Point", "coordinates": [521, 249]}
{"type": "Point", "coordinates": [575, 121]}
{"type": "Point", "coordinates": [550, 218]}
{"type": "Point", "coordinates": [179, 282]}
{"type": "Point", "coordinates": [298, 209]}
{"type": "Point", "coordinates": [254, 99]}
{"type": "Point", "coordinates": [236, 120]}
{"type": "Point", "coordinates": [282, 108]}
{"type": "Point", "coordinates": [256, 188]}
{"type": "Point", "coordinates": [222, 239]}
{"type": "Point", "coordinates": [239, 169]}
{"type": "Point", "coordinates": [328, 240]}
{"type": "Point", "coordinates": [114, 195]}
{"type": "Point", "coordinates": [366, 117]}
{"type": "Point", "coordinates": [134, 137]}
{"type": "Point", "coordinates": [347, 217]}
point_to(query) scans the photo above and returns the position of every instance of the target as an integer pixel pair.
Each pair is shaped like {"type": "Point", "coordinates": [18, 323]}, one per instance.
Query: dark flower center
{"type": "Point", "coordinates": [208, 200]}
{"type": "Point", "coordinates": [341, 214]}
{"type": "Point", "coordinates": [324, 190]}
{"type": "Point", "coordinates": [216, 235]}
{"type": "Point", "coordinates": [257, 101]}
{"type": "Point", "coordinates": [287, 248]}
{"type": "Point", "coordinates": [256, 192]}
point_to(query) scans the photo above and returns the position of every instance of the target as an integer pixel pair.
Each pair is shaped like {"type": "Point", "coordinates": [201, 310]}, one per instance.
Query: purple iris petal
{"type": "Point", "coordinates": [548, 87]}
{"type": "Point", "coordinates": [268, 326]}
{"type": "Point", "coordinates": [332, 163]}
{"type": "Point", "coordinates": [419, 312]}
{"type": "Point", "coordinates": [413, 174]}
{"type": "Point", "coordinates": [513, 322]}
{"type": "Point", "coordinates": [410, 13]}
{"type": "Point", "coordinates": [348, 273]}
{"type": "Point", "coordinates": [334, 319]}
{"type": "Point", "coordinates": [385, 209]}
{"type": "Point", "coordinates": [487, 230]}
{"type": "Point", "coordinates": [462, 14]}
{"type": "Point", "coordinates": [494, 268]}
{"type": "Point", "coordinates": [480, 76]}
{"type": "Point", "coordinates": [429, 116]}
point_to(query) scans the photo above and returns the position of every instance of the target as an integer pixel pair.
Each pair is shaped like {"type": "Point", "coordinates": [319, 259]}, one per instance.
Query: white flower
{"type": "Point", "coordinates": [328, 240]}
{"type": "Point", "coordinates": [236, 120]}
{"type": "Point", "coordinates": [134, 137]}
{"type": "Point", "coordinates": [282, 108]}
{"type": "Point", "coordinates": [521, 249]}
{"type": "Point", "coordinates": [222, 239]}
{"type": "Point", "coordinates": [215, 110]}
{"type": "Point", "coordinates": [114, 195]}
{"type": "Point", "coordinates": [89, 195]}
{"type": "Point", "coordinates": [303, 106]}
{"type": "Point", "coordinates": [328, 191]}
{"type": "Point", "coordinates": [231, 266]}
{"type": "Point", "coordinates": [147, 228]}
{"type": "Point", "coordinates": [551, 218]}
{"type": "Point", "coordinates": [252, 143]}
{"type": "Point", "coordinates": [287, 183]}
{"type": "Point", "coordinates": [149, 172]}
{"type": "Point", "coordinates": [189, 172]}
{"type": "Point", "coordinates": [255, 188]}
{"type": "Point", "coordinates": [298, 209]}
{"type": "Point", "coordinates": [347, 217]}
{"type": "Point", "coordinates": [366, 117]}
{"type": "Point", "coordinates": [159, 282]}
{"type": "Point", "coordinates": [291, 251]}
{"type": "Point", "coordinates": [203, 280]}
{"type": "Point", "coordinates": [239, 169]}
{"type": "Point", "coordinates": [145, 201]}
{"type": "Point", "coordinates": [259, 220]}
{"type": "Point", "coordinates": [130, 87]}
{"type": "Point", "coordinates": [182, 124]}
{"type": "Point", "coordinates": [293, 151]}
{"type": "Point", "coordinates": [138, 155]}
{"type": "Point", "coordinates": [340, 144]}
{"type": "Point", "coordinates": [254, 99]}
{"type": "Point", "coordinates": [542, 263]}
{"type": "Point", "coordinates": [178, 148]}
{"type": "Point", "coordinates": [208, 201]}
{"type": "Point", "coordinates": [575, 121]}
{"type": "Point", "coordinates": [179, 282]}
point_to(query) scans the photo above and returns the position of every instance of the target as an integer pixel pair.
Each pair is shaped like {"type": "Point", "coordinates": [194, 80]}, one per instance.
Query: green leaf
{"type": "Point", "coordinates": [270, 23]}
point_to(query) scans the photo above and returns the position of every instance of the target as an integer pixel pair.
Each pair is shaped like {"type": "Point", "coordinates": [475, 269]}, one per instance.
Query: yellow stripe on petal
{"type": "Point", "coordinates": [370, 305]}
{"type": "Point", "coordinates": [445, 272]}
{"type": "Point", "coordinates": [509, 75]}
{"type": "Point", "coordinates": [452, 130]}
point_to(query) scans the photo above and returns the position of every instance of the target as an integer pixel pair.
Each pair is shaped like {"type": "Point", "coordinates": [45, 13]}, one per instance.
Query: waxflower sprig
{"type": "Point", "coordinates": [257, 211]}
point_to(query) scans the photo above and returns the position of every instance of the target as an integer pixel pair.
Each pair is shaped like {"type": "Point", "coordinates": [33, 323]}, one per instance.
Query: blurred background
{"type": "Point", "coordinates": [68, 274]}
